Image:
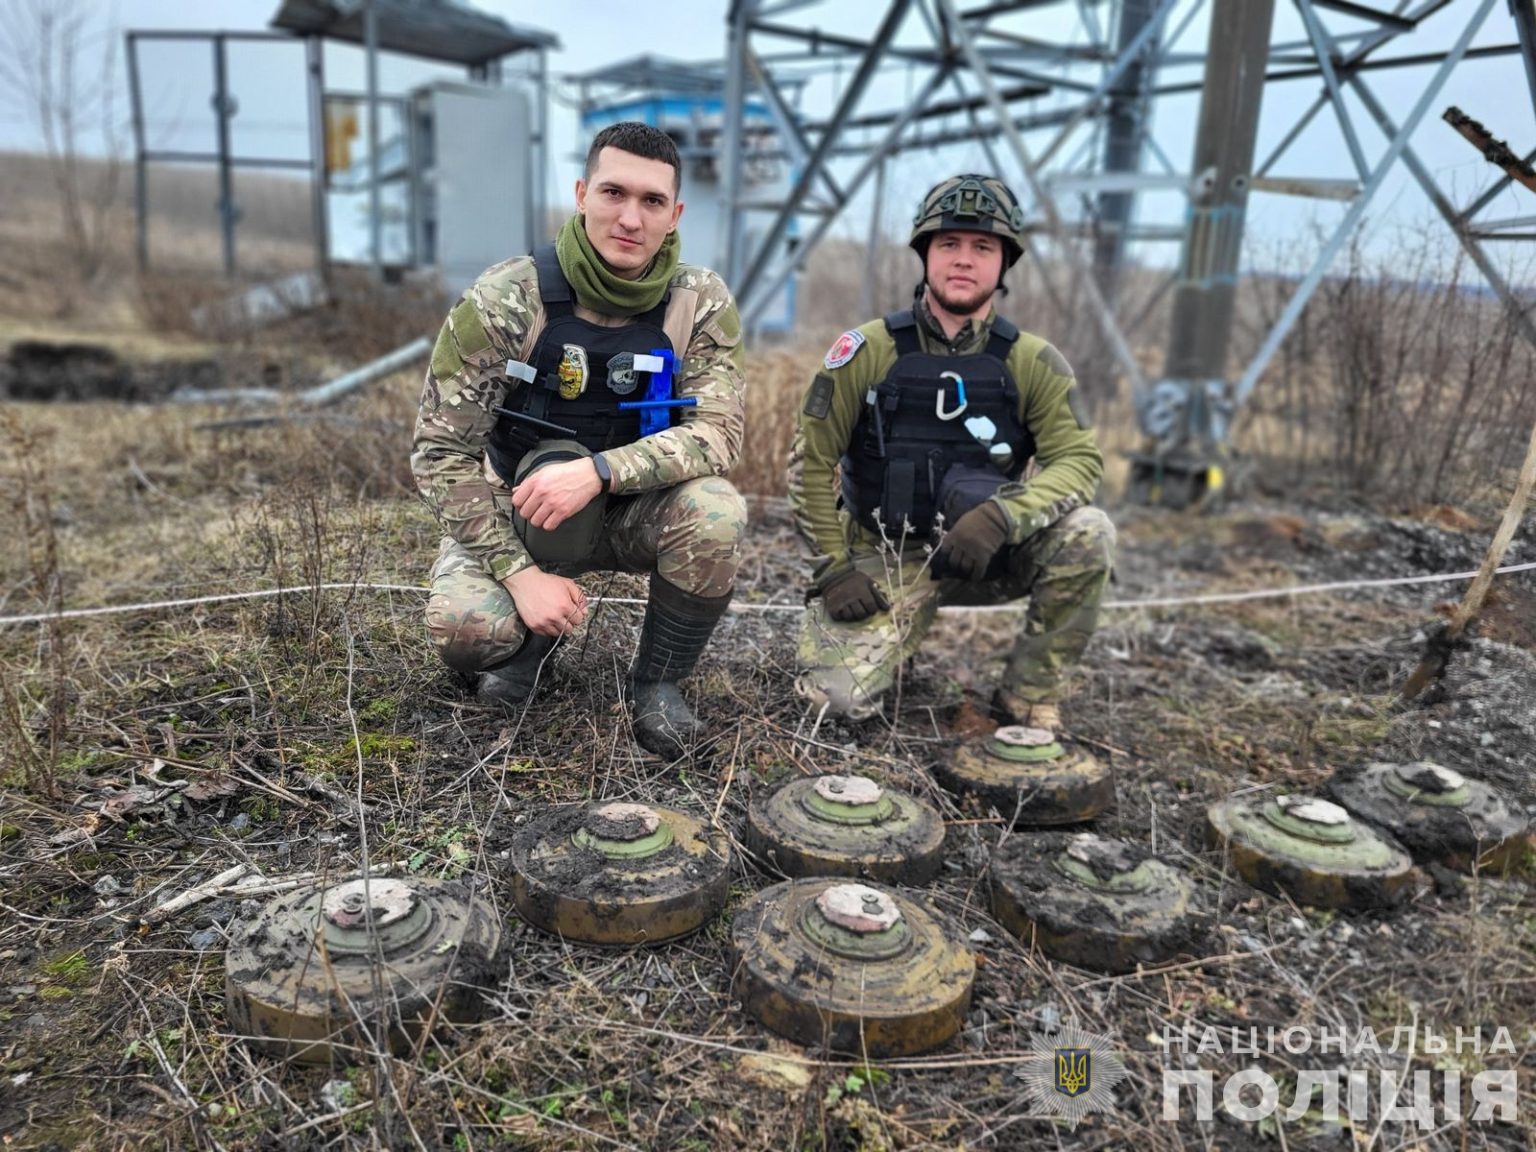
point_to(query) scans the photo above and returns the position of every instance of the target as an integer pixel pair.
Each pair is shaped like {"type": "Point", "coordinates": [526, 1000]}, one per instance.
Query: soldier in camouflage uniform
{"type": "Point", "coordinates": [536, 474]}
{"type": "Point", "coordinates": [933, 415]}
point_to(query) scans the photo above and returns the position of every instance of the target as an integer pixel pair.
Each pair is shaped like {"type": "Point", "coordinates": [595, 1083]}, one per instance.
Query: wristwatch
{"type": "Point", "coordinates": [604, 473]}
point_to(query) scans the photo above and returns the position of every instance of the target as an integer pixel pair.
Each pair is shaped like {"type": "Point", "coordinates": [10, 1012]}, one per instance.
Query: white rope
{"type": "Point", "coordinates": [1153, 602]}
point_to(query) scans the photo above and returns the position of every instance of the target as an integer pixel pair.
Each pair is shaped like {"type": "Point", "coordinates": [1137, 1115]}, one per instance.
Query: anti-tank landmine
{"type": "Point", "coordinates": [619, 873]}
{"type": "Point", "coordinates": [850, 967]}
{"type": "Point", "coordinates": [1092, 902]}
{"type": "Point", "coordinates": [1030, 778]}
{"type": "Point", "coordinates": [324, 971]}
{"type": "Point", "coordinates": [846, 826]}
{"type": "Point", "coordinates": [1311, 850]}
{"type": "Point", "coordinates": [1437, 814]}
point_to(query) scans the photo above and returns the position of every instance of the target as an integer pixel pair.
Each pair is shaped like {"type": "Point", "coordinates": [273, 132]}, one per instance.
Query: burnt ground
{"type": "Point", "coordinates": [146, 753]}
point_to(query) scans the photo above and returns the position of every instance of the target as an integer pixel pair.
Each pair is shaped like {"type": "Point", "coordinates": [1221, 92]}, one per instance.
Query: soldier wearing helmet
{"type": "Point", "coordinates": [581, 410]}
{"type": "Point", "coordinates": [911, 478]}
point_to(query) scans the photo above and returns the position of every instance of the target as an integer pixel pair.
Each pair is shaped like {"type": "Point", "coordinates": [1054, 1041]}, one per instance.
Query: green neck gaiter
{"type": "Point", "coordinates": [599, 288]}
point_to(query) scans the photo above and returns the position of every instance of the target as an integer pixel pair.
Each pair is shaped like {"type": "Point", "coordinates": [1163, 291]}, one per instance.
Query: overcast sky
{"type": "Point", "coordinates": [268, 82]}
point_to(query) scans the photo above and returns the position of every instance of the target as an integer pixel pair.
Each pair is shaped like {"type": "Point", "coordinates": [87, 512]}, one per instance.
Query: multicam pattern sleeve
{"type": "Point", "coordinates": [706, 440]}
{"type": "Point", "coordinates": [465, 383]}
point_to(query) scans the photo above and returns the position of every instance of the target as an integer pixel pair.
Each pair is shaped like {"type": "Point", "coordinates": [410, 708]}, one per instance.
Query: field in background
{"type": "Point", "coordinates": [1399, 384]}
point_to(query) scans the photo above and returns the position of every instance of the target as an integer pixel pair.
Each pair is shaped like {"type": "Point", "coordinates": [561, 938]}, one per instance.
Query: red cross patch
{"type": "Point", "coordinates": [843, 349]}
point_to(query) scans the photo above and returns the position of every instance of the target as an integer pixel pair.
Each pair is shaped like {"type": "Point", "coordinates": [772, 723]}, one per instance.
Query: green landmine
{"type": "Point", "coordinates": [846, 826]}
{"type": "Point", "coordinates": [1093, 902]}
{"type": "Point", "coordinates": [326, 974]}
{"type": "Point", "coordinates": [1030, 779]}
{"type": "Point", "coordinates": [1311, 850]}
{"type": "Point", "coordinates": [618, 873]}
{"type": "Point", "coordinates": [850, 967]}
{"type": "Point", "coordinates": [1438, 814]}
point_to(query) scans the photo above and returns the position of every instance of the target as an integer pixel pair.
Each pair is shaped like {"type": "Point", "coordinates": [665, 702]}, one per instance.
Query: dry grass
{"type": "Point", "coordinates": [328, 715]}
{"type": "Point", "coordinates": [593, 1049]}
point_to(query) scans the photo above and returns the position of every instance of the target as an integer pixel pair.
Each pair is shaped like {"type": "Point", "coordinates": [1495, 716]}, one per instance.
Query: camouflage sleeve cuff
{"type": "Point", "coordinates": [1022, 524]}
{"type": "Point", "coordinates": [504, 564]}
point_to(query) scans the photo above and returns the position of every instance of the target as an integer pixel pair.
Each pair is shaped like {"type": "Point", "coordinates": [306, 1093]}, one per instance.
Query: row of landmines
{"type": "Point", "coordinates": [836, 956]}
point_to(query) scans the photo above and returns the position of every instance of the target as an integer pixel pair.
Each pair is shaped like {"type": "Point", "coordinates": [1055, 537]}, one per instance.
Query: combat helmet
{"type": "Point", "coordinates": [971, 203]}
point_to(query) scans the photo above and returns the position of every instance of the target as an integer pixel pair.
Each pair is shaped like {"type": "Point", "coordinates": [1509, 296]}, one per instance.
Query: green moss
{"type": "Point", "coordinates": [342, 759]}
{"type": "Point", "coordinates": [67, 968]}
{"type": "Point", "coordinates": [379, 712]}
{"type": "Point", "coordinates": [376, 745]}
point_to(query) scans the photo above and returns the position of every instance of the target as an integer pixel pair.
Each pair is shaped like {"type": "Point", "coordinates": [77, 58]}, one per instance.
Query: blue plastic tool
{"type": "Point", "coordinates": [656, 409]}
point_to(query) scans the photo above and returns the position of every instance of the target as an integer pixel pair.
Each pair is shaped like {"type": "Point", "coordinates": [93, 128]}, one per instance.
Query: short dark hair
{"type": "Point", "coordinates": [639, 140]}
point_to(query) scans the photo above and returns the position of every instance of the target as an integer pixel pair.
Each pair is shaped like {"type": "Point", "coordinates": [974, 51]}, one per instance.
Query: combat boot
{"type": "Point", "coordinates": [677, 627]}
{"type": "Point", "coordinates": [1008, 708]}
{"type": "Point", "coordinates": [513, 680]}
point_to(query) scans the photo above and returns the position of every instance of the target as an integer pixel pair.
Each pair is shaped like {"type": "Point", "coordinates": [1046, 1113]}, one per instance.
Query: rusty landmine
{"type": "Point", "coordinates": [850, 967]}
{"type": "Point", "coordinates": [1091, 901]}
{"type": "Point", "coordinates": [1025, 771]}
{"type": "Point", "coordinates": [323, 973]}
{"type": "Point", "coordinates": [846, 826]}
{"type": "Point", "coordinates": [617, 873]}
{"type": "Point", "coordinates": [1311, 850]}
{"type": "Point", "coordinates": [1437, 814]}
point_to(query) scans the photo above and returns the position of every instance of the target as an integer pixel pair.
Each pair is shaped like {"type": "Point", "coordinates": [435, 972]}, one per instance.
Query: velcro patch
{"type": "Point", "coordinates": [462, 336]}
{"type": "Point", "coordinates": [468, 331]}
{"type": "Point", "coordinates": [1079, 408]}
{"type": "Point", "coordinates": [843, 349]}
{"type": "Point", "coordinates": [445, 354]}
{"type": "Point", "coordinates": [818, 401]}
{"type": "Point", "coordinates": [1054, 360]}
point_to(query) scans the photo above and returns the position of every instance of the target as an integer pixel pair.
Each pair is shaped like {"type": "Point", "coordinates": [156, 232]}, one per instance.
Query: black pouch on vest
{"type": "Point", "coordinates": [896, 502]}
{"type": "Point", "coordinates": [965, 487]}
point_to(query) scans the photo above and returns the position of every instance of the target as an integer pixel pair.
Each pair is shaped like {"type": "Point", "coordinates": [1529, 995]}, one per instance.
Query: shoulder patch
{"type": "Point", "coordinates": [818, 401]}
{"type": "Point", "coordinates": [1078, 406]}
{"type": "Point", "coordinates": [843, 349]}
{"type": "Point", "coordinates": [1054, 360]}
{"type": "Point", "coordinates": [461, 336]}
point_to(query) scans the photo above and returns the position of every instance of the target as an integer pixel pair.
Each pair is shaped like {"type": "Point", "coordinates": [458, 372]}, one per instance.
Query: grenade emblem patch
{"type": "Point", "coordinates": [573, 372]}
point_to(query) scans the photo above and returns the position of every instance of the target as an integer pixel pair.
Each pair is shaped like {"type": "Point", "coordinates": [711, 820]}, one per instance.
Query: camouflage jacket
{"type": "Point", "coordinates": [499, 319]}
{"type": "Point", "coordinates": [1067, 454]}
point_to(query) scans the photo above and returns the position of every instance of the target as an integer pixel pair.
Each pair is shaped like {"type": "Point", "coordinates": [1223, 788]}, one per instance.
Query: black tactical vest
{"type": "Point", "coordinates": [585, 354]}
{"type": "Point", "coordinates": [901, 446]}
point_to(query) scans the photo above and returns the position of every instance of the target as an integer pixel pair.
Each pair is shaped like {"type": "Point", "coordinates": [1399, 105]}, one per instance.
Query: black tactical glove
{"type": "Point", "coordinates": [851, 596]}
{"type": "Point", "coordinates": [967, 548]}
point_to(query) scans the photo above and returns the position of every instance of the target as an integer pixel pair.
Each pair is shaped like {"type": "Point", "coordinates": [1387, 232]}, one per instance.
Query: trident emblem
{"type": "Point", "coordinates": [1074, 1071]}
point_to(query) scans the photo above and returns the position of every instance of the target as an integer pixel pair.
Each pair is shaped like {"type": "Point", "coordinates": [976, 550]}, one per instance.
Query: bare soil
{"type": "Point", "coordinates": [143, 753]}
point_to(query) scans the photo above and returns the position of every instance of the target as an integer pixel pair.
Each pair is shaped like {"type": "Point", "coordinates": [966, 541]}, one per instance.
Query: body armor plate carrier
{"type": "Point", "coordinates": [586, 352]}
{"type": "Point", "coordinates": [896, 466]}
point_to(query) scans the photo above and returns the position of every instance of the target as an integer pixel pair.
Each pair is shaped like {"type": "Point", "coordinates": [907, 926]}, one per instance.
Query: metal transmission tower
{"type": "Point", "coordinates": [1064, 95]}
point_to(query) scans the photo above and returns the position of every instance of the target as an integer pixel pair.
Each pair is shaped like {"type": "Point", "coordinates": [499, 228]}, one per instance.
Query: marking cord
{"type": "Point", "coordinates": [1117, 605]}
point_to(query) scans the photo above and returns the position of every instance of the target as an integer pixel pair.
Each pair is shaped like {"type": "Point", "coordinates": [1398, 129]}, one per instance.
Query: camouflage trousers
{"type": "Point", "coordinates": [690, 534]}
{"type": "Point", "coordinates": [1063, 570]}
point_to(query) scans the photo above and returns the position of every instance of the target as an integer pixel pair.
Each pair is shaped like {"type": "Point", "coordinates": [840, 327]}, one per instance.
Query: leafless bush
{"type": "Point", "coordinates": [34, 699]}
{"type": "Point", "coordinates": [1402, 382]}
{"type": "Point", "coordinates": [67, 97]}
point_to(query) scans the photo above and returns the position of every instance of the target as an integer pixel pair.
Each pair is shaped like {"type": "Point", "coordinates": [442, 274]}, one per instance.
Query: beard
{"type": "Point", "coordinates": [961, 304]}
